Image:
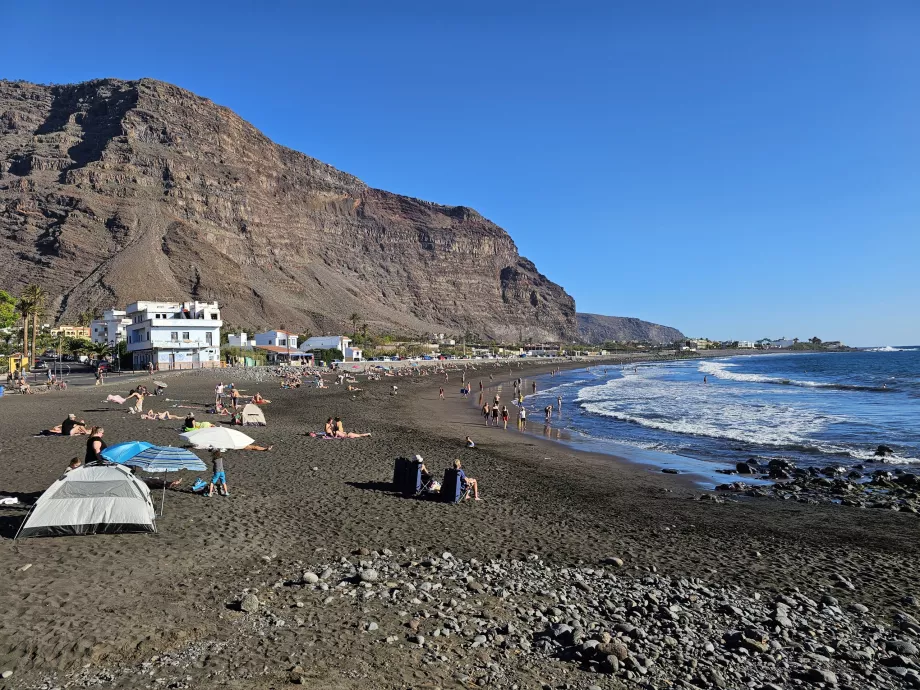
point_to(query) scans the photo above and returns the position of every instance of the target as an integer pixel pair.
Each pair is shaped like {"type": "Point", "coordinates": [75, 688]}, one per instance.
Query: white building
{"type": "Point", "coordinates": [111, 328]}
{"type": "Point", "coordinates": [277, 338]}
{"type": "Point", "coordinates": [240, 339]}
{"type": "Point", "coordinates": [333, 342]}
{"type": "Point", "coordinates": [746, 344]}
{"type": "Point", "coordinates": [174, 335]}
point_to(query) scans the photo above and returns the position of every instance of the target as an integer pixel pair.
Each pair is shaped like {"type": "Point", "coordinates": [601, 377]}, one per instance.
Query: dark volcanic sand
{"type": "Point", "coordinates": [114, 600]}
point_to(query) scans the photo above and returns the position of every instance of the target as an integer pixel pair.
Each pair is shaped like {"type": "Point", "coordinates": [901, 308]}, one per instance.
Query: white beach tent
{"type": "Point", "coordinates": [252, 415]}
{"type": "Point", "coordinates": [94, 499]}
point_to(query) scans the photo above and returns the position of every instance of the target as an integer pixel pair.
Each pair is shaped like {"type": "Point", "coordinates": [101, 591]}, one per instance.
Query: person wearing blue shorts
{"type": "Point", "coordinates": [219, 478]}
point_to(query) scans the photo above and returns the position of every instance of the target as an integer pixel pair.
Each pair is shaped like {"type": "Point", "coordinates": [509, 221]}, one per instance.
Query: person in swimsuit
{"type": "Point", "coordinates": [495, 413]}
{"type": "Point", "coordinates": [505, 416]}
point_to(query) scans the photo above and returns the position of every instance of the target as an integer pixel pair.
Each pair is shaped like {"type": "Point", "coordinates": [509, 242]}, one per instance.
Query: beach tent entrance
{"type": "Point", "coordinates": [252, 415]}
{"type": "Point", "coordinates": [94, 499]}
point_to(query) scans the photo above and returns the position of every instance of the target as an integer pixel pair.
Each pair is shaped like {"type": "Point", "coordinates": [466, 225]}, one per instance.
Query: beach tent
{"type": "Point", "coordinates": [252, 415]}
{"type": "Point", "coordinates": [93, 499]}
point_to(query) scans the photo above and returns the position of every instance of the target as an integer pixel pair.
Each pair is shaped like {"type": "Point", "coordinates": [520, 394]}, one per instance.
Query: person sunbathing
{"type": "Point", "coordinates": [253, 446]}
{"type": "Point", "coordinates": [71, 427]}
{"type": "Point", "coordinates": [467, 482]}
{"type": "Point", "coordinates": [159, 416]}
{"type": "Point", "coordinates": [259, 400]}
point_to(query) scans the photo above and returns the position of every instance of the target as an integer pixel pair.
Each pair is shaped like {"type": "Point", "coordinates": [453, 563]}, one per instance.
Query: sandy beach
{"type": "Point", "coordinates": [162, 610]}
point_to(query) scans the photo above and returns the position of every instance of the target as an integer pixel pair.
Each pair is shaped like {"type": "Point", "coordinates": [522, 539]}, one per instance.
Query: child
{"type": "Point", "coordinates": [219, 478]}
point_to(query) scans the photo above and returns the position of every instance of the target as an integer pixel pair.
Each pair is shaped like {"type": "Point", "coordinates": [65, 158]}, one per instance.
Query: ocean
{"type": "Point", "coordinates": [814, 409]}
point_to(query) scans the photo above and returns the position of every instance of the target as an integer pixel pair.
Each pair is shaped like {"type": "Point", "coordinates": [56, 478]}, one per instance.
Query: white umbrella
{"type": "Point", "coordinates": [217, 437]}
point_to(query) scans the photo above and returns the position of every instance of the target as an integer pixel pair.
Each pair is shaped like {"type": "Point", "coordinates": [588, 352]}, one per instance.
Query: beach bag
{"type": "Point", "coordinates": [199, 485]}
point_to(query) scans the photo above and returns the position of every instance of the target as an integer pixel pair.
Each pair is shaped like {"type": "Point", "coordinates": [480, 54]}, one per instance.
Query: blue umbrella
{"type": "Point", "coordinates": [165, 459]}
{"type": "Point", "coordinates": [124, 451]}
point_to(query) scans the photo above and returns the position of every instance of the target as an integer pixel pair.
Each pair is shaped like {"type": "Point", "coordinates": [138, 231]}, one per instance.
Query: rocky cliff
{"type": "Point", "coordinates": [594, 328]}
{"type": "Point", "coordinates": [112, 191]}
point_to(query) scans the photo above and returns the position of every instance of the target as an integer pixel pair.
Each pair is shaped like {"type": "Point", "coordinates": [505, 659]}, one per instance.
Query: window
{"type": "Point", "coordinates": [207, 338]}
{"type": "Point", "coordinates": [214, 316]}
{"type": "Point", "coordinates": [185, 335]}
{"type": "Point", "coordinates": [174, 336]}
{"type": "Point", "coordinates": [282, 342]}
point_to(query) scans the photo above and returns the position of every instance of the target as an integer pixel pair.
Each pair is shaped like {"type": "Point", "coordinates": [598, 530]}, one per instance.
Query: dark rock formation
{"type": "Point", "coordinates": [112, 191]}
{"type": "Point", "coordinates": [594, 328]}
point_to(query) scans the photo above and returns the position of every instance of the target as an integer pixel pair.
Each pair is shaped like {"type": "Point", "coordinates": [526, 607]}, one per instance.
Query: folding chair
{"type": "Point", "coordinates": [453, 490]}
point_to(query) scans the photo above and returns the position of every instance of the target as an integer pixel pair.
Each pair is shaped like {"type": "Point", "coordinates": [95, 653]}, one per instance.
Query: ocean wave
{"type": "Point", "coordinates": [889, 348]}
{"type": "Point", "coordinates": [722, 370]}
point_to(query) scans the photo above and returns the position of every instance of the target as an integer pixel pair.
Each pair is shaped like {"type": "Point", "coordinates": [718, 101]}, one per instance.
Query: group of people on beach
{"type": "Point", "coordinates": [335, 429]}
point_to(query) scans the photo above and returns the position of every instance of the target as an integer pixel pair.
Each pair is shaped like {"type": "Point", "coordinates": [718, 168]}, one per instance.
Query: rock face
{"type": "Point", "coordinates": [112, 191]}
{"type": "Point", "coordinates": [594, 328]}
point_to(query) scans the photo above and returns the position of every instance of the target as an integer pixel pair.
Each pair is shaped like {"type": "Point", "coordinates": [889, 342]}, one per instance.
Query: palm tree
{"type": "Point", "coordinates": [354, 318]}
{"type": "Point", "coordinates": [24, 307]}
{"type": "Point", "coordinates": [36, 297]}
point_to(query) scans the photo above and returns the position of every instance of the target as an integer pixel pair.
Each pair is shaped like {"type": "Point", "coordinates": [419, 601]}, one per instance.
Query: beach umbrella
{"type": "Point", "coordinates": [217, 437]}
{"type": "Point", "coordinates": [165, 459]}
{"type": "Point", "coordinates": [124, 451]}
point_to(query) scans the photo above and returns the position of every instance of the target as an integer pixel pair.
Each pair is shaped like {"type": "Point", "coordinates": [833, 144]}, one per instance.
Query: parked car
{"type": "Point", "coordinates": [103, 366]}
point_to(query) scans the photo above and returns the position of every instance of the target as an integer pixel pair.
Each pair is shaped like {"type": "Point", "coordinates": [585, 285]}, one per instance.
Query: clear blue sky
{"type": "Point", "coordinates": [736, 169]}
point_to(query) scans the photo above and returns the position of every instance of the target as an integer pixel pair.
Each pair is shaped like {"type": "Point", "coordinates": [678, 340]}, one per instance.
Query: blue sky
{"type": "Point", "coordinates": [734, 169]}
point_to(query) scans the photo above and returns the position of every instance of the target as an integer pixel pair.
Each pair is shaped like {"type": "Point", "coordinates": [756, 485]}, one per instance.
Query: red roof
{"type": "Point", "coordinates": [282, 350]}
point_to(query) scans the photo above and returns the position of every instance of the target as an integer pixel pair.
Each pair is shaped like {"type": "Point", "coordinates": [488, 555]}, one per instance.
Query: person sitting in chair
{"type": "Point", "coordinates": [467, 482]}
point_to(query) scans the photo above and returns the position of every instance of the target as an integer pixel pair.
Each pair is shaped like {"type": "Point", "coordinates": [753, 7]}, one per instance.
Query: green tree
{"type": "Point", "coordinates": [8, 317]}
{"type": "Point", "coordinates": [36, 298]}
{"type": "Point", "coordinates": [24, 308]}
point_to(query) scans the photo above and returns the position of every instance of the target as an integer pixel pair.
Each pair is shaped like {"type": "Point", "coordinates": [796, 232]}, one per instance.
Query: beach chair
{"type": "Point", "coordinates": [400, 465]}
{"type": "Point", "coordinates": [452, 489]}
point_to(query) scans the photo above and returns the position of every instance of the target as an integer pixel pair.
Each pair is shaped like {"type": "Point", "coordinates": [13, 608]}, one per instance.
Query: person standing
{"type": "Point", "coordinates": [218, 394]}
{"type": "Point", "coordinates": [559, 402]}
{"type": "Point", "coordinates": [94, 446]}
{"type": "Point", "coordinates": [505, 416]}
{"type": "Point", "coordinates": [495, 412]}
{"type": "Point", "coordinates": [548, 411]}
{"type": "Point", "coordinates": [485, 413]}
{"type": "Point", "coordinates": [234, 397]}
{"type": "Point", "coordinates": [441, 393]}
{"type": "Point", "coordinates": [98, 376]}
{"type": "Point", "coordinates": [522, 419]}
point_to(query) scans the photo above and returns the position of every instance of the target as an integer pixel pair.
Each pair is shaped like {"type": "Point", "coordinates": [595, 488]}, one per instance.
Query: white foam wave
{"type": "Point", "coordinates": [722, 370]}
{"type": "Point", "coordinates": [889, 348]}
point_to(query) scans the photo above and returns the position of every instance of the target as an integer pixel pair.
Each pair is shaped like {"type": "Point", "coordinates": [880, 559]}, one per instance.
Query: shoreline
{"type": "Point", "coordinates": [174, 595]}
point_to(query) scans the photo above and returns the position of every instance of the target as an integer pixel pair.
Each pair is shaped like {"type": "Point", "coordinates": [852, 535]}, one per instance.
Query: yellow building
{"type": "Point", "coordinates": [71, 331]}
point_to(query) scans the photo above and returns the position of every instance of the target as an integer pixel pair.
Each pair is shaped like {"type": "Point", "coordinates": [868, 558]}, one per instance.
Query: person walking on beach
{"type": "Point", "coordinates": [441, 393]}
{"type": "Point", "coordinates": [522, 419]}
{"type": "Point", "coordinates": [94, 446]}
{"type": "Point", "coordinates": [495, 412]}
{"type": "Point", "coordinates": [485, 413]}
{"type": "Point", "coordinates": [98, 377]}
{"type": "Point", "coordinates": [505, 416]}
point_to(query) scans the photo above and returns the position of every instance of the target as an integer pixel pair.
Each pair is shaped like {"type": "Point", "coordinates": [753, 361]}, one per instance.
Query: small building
{"type": "Point", "coordinates": [746, 344]}
{"type": "Point", "coordinates": [112, 328]}
{"type": "Point", "coordinates": [333, 342]}
{"type": "Point", "coordinates": [781, 343]}
{"type": "Point", "coordinates": [174, 335]}
{"type": "Point", "coordinates": [278, 354]}
{"type": "Point", "coordinates": [241, 340]}
{"type": "Point", "coordinates": [277, 338]}
{"type": "Point", "coordinates": [71, 331]}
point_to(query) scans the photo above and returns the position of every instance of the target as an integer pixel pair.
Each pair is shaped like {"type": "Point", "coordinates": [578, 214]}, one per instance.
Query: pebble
{"type": "Point", "coordinates": [249, 603]}
{"type": "Point", "coordinates": [309, 578]}
{"type": "Point", "coordinates": [369, 575]}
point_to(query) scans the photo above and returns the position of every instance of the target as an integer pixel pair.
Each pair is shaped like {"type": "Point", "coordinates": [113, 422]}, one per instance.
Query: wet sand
{"type": "Point", "coordinates": [107, 601]}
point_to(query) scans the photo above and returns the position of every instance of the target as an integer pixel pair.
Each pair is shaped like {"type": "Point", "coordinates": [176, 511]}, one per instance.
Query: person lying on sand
{"type": "Point", "coordinates": [259, 400]}
{"type": "Point", "coordinates": [355, 388]}
{"type": "Point", "coordinates": [160, 416]}
{"type": "Point", "coordinates": [253, 446]}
